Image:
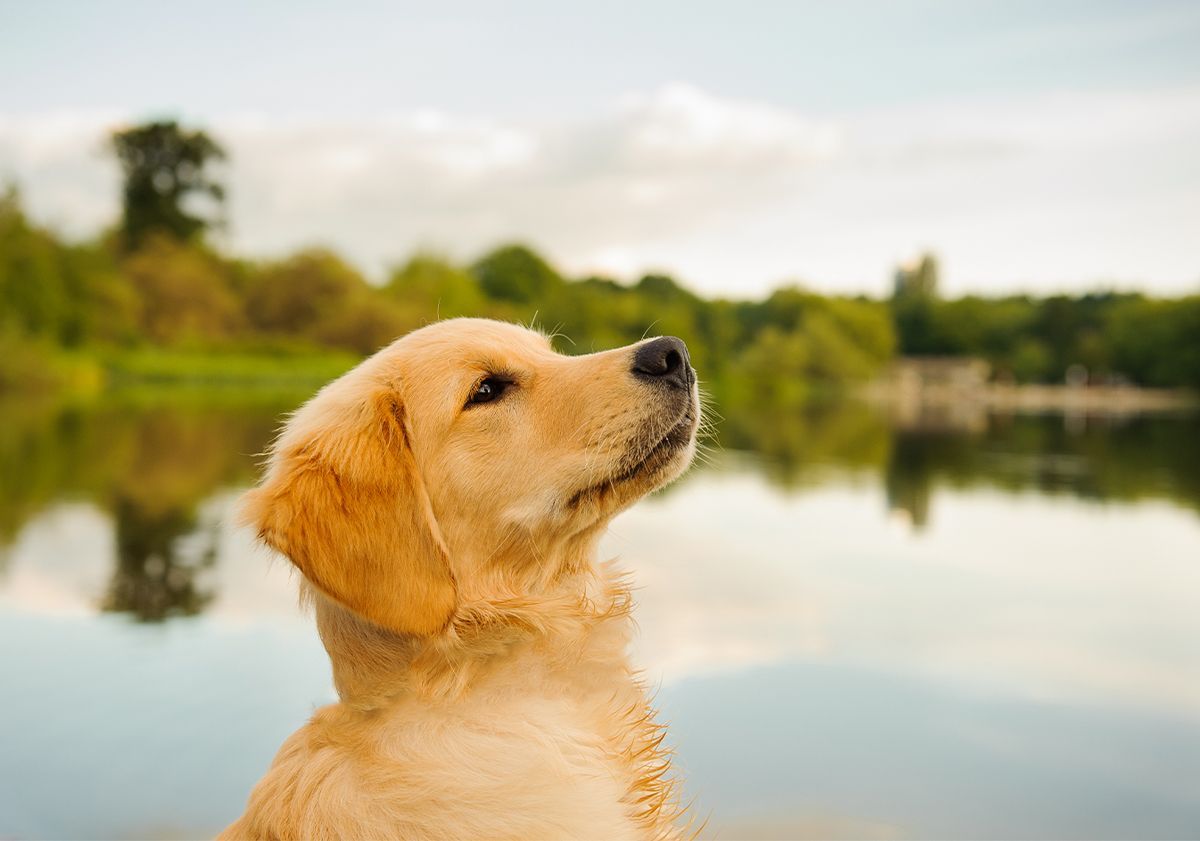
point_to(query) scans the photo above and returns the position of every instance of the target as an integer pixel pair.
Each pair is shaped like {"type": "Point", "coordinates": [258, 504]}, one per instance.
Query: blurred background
{"type": "Point", "coordinates": [938, 265]}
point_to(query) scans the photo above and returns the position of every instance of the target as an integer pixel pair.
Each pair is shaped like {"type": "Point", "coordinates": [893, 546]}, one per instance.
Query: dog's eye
{"type": "Point", "coordinates": [488, 390]}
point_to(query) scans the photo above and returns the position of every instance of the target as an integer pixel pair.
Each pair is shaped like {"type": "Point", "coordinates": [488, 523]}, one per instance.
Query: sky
{"type": "Point", "coordinates": [1033, 146]}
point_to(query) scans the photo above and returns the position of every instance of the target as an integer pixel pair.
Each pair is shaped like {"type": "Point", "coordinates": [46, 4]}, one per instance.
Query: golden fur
{"type": "Point", "coordinates": [478, 648]}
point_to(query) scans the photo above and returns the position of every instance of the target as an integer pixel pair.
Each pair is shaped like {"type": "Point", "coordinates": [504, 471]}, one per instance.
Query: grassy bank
{"type": "Point", "coordinates": [225, 368]}
{"type": "Point", "coordinates": [29, 368]}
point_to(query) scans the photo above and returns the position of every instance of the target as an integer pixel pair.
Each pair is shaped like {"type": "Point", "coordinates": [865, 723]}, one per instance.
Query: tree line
{"type": "Point", "coordinates": [155, 283]}
{"type": "Point", "coordinates": [1106, 336]}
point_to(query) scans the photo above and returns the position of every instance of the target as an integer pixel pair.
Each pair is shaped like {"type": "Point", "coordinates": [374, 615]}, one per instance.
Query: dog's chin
{"type": "Point", "coordinates": [650, 470]}
{"type": "Point", "coordinates": [666, 459]}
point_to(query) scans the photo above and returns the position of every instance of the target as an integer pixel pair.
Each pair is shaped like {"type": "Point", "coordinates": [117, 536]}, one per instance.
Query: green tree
{"type": "Point", "coordinates": [184, 292]}
{"type": "Point", "coordinates": [105, 306]}
{"type": "Point", "coordinates": [433, 287]}
{"type": "Point", "coordinates": [1156, 342]}
{"type": "Point", "coordinates": [33, 299]}
{"type": "Point", "coordinates": [515, 273]}
{"type": "Point", "coordinates": [914, 298]}
{"type": "Point", "coordinates": [165, 166]}
{"type": "Point", "coordinates": [295, 296]}
{"type": "Point", "coordinates": [366, 324]}
{"type": "Point", "coordinates": [1030, 361]}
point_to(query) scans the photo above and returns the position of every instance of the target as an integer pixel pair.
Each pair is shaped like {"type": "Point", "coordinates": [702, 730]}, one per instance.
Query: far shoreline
{"type": "Point", "coordinates": [1099, 400]}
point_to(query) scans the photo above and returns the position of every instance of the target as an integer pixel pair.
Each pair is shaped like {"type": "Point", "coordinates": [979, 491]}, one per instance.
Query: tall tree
{"type": "Point", "coordinates": [164, 165]}
{"type": "Point", "coordinates": [914, 303]}
{"type": "Point", "coordinates": [917, 280]}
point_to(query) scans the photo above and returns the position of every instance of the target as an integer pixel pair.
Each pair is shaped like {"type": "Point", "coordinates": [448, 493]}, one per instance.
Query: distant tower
{"type": "Point", "coordinates": [917, 279]}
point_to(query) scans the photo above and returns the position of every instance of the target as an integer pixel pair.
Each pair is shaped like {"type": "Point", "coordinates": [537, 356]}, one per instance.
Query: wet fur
{"type": "Point", "coordinates": [478, 647]}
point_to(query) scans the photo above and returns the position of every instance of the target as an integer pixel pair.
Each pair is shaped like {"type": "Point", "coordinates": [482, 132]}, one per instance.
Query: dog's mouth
{"type": "Point", "coordinates": [675, 439]}
{"type": "Point", "coordinates": [649, 464]}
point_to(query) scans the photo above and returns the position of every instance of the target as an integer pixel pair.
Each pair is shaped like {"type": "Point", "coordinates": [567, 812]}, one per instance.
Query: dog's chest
{"type": "Point", "coordinates": [545, 753]}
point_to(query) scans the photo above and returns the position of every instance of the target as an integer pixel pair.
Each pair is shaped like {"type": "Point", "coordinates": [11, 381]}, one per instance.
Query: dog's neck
{"type": "Point", "coordinates": [374, 667]}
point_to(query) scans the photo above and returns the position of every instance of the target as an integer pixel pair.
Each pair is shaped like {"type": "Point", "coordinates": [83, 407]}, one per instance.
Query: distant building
{"type": "Point", "coordinates": [957, 373]}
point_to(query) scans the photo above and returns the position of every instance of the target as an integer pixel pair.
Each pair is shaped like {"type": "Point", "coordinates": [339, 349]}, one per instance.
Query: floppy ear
{"type": "Point", "coordinates": [345, 503]}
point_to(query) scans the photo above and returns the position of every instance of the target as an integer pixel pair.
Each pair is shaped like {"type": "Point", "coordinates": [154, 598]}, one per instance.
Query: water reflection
{"type": "Point", "coordinates": [865, 625]}
{"type": "Point", "coordinates": [150, 465]}
{"type": "Point", "coordinates": [1103, 458]}
{"type": "Point", "coordinates": [155, 578]}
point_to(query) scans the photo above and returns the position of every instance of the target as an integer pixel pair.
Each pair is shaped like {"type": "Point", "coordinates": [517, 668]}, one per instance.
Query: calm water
{"type": "Point", "coordinates": [956, 626]}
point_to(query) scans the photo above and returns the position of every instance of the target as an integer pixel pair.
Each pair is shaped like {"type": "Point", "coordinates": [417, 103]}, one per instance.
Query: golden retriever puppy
{"type": "Point", "coordinates": [443, 501]}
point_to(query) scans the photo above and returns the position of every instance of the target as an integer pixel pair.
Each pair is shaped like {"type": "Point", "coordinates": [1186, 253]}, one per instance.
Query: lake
{"type": "Point", "coordinates": [858, 625]}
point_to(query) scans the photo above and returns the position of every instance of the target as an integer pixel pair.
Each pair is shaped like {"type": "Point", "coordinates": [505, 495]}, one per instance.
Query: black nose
{"type": "Point", "coordinates": [664, 360]}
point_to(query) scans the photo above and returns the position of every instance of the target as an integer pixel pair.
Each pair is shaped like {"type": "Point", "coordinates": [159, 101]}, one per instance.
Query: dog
{"type": "Point", "coordinates": [443, 502]}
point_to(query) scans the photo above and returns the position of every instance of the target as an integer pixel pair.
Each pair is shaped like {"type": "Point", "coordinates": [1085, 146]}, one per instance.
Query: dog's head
{"type": "Point", "coordinates": [403, 482]}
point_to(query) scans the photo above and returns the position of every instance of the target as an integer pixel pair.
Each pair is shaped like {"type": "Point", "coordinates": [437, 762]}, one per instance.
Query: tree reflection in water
{"type": "Point", "coordinates": [156, 577]}
{"type": "Point", "coordinates": [151, 466]}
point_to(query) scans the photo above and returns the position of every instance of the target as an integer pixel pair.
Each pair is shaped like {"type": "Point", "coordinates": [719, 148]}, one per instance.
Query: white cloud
{"type": "Point", "coordinates": [70, 180]}
{"type": "Point", "coordinates": [1050, 191]}
{"type": "Point", "coordinates": [682, 128]}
